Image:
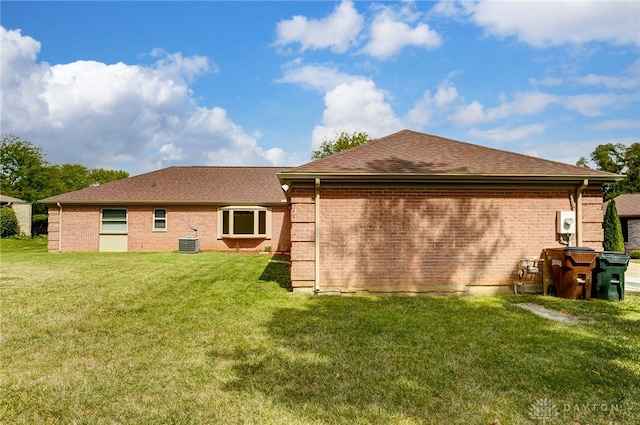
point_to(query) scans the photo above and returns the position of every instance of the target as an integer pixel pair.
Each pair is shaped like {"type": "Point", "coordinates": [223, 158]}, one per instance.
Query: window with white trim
{"type": "Point", "coordinates": [244, 222]}
{"type": "Point", "coordinates": [160, 219]}
{"type": "Point", "coordinates": [114, 220]}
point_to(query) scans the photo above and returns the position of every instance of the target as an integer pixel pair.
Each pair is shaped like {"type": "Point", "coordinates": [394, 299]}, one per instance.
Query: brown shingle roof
{"type": "Point", "coordinates": [7, 199]}
{"type": "Point", "coordinates": [412, 153]}
{"type": "Point", "coordinates": [185, 185]}
{"type": "Point", "coordinates": [628, 205]}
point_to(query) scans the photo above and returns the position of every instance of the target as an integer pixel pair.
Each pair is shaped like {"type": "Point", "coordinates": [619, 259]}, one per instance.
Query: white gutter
{"type": "Point", "coordinates": [448, 177]}
{"type": "Point", "coordinates": [59, 228]}
{"type": "Point", "coordinates": [316, 282]}
{"type": "Point", "coordinates": [581, 189]}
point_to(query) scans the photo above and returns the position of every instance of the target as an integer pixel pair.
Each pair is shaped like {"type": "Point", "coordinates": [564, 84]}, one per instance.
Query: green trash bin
{"type": "Point", "coordinates": [609, 276]}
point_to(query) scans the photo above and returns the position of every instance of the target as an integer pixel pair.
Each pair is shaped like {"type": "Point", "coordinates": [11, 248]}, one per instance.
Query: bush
{"type": "Point", "coordinates": [613, 239]}
{"type": "Point", "coordinates": [39, 224]}
{"type": "Point", "coordinates": [635, 254]}
{"type": "Point", "coordinates": [8, 222]}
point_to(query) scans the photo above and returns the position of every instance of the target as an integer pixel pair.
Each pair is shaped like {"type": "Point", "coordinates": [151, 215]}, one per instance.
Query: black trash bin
{"type": "Point", "coordinates": [572, 271]}
{"type": "Point", "coordinates": [608, 280]}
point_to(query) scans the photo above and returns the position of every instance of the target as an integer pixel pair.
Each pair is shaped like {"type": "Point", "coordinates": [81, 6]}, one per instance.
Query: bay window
{"type": "Point", "coordinates": [244, 222]}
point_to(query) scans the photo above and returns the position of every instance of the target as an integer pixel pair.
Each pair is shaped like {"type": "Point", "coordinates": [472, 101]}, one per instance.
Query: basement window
{"type": "Point", "coordinates": [244, 222]}
{"type": "Point", "coordinates": [160, 219]}
{"type": "Point", "coordinates": [114, 220]}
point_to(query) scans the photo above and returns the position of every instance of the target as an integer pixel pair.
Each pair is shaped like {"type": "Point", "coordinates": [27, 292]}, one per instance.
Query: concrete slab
{"type": "Point", "coordinates": [548, 313]}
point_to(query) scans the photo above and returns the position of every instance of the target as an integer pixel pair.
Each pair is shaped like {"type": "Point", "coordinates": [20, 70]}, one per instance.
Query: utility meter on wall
{"type": "Point", "coordinates": [566, 222]}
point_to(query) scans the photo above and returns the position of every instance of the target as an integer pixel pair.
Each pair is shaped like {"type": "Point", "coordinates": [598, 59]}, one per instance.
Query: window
{"type": "Point", "coordinates": [160, 219]}
{"type": "Point", "coordinates": [114, 220]}
{"type": "Point", "coordinates": [624, 222]}
{"type": "Point", "coordinates": [244, 222]}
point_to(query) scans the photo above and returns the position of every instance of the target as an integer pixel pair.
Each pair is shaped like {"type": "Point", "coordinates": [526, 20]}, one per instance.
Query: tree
{"type": "Point", "coordinates": [22, 168]}
{"type": "Point", "coordinates": [102, 176]}
{"type": "Point", "coordinates": [609, 157]}
{"type": "Point", "coordinates": [342, 142]}
{"type": "Point", "coordinates": [632, 162]}
{"type": "Point", "coordinates": [613, 239]}
{"type": "Point", "coordinates": [25, 174]}
{"type": "Point", "coordinates": [620, 159]}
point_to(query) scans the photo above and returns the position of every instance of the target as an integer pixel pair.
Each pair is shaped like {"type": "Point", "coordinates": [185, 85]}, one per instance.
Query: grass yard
{"type": "Point", "coordinates": [168, 338]}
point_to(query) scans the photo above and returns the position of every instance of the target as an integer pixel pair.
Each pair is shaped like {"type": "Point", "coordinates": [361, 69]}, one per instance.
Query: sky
{"type": "Point", "coordinates": [139, 86]}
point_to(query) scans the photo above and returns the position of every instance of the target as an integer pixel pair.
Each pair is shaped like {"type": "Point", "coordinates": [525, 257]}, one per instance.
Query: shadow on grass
{"type": "Point", "coordinates": [278, 270]}
{"type": "Point", "coordinates": [431, 360]}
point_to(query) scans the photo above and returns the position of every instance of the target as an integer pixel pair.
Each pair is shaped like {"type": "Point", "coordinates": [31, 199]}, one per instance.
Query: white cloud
{"type": "Point", "coordinates": [592, 105]}
{"type": "Point", "coordinates": [616, 125]}
{"type": "Point", "coordinates": [390, 32]}
{"type": "Point", "coordinates": [353, 103]}
{"type": "Point", "coordinates": [316, 77]}
{"type": "Point", "coordinates": [609, 82]}
{"type": "Point", "coordinates": [22, 81]}
{"type": "Point", "coordinates": [470, 114]}
{"type": "Point", "coordinates": [355, 106]}
{"type": "Point", "coordinates": [177, 65]}
{"type": "Point", "coordinates": [547, 81]}
{"type": "Point", "coordinates": [118, 115]}
{"type": "Point", "coordinates": [627, 79]}
{"type": "Point", "coordinates": [337, 32]}
{"type": "Point", "coordinates": [432, 107]}
{"type": "Point", "coordinates": [552, 23]}
{"type": "Point", "coordinates": [523, 104]}
{"type": "Point", "coordinates": [505, 134]}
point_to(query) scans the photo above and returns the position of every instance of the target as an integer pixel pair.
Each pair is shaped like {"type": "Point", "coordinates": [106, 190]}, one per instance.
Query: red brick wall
{"type": "Point", "coordinates": [81, 229]}
{"type": "Point", "coordinates": [415, 240]}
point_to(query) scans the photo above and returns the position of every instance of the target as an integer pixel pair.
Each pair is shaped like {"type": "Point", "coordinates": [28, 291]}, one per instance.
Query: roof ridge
{"type": "Point", "coordinates": [500, 151]}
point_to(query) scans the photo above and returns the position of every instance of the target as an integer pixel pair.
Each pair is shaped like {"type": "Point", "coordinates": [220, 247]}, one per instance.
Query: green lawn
{"type": "Point", "coordinates": [168, 338]}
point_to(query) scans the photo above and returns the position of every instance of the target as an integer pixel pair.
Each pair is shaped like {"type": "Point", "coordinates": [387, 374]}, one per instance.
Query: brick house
{"type": "Point", "coordinates": [409, 213]}
{"type": "Point", "coordinates": [414, 213]}
{"type": "Point", "coordinates": [628, 206]}
{"type": "Point", "coordinates": [226, 208]}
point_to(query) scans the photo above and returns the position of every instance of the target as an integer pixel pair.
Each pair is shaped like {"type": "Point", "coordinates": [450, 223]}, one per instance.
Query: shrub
{"type": "Point", "coordinates": [613, 239]}
{"type": "Point", "coordinates": [8, 222]}
{"type": "Point", "coordinates": [635, 254]}
{"type": "Point", "coordinates": [39, 224]}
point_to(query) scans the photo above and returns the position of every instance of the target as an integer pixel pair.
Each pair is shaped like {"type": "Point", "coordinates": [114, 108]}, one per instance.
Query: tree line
{"type": "Point", "coordinates": [26, 175]}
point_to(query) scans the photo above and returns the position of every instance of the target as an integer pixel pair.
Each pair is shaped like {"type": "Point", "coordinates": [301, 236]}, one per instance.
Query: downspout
{"type": "Point", "coordinates": [59, 227]}
{"type": "Point", "coordinates": [316, 283]}
{"type": "Point", "coordinates": [582, 187]}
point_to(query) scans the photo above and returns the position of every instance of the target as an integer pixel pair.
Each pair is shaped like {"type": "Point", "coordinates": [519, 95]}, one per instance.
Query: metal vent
{"type": "Point", "coordinates": [188, 245]}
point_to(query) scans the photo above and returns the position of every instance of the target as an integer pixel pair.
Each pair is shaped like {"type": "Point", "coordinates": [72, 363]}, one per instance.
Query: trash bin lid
{"type": "Point", "coordinates": [578, 249]}
{"type": "Point", "coordinates": [613, 258]}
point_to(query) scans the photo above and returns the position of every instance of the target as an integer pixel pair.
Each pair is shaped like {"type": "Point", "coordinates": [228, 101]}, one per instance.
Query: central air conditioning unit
{"type": "Point", "coordinates": [188, 245]}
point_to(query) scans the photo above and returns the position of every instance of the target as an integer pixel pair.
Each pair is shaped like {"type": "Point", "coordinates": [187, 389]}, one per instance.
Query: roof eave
{"type": "Point", "coordinates": [448, 177]}
{"type": "Point", "coordinates": [124, 202]}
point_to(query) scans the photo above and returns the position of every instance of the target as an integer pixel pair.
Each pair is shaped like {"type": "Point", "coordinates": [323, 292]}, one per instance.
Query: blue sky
{"type": "Point", "coordinates": [144, 85]}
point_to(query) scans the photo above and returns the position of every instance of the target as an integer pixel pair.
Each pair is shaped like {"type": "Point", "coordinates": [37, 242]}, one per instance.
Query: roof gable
{"type": "Point", "coordinates": [412, 153]}
{"type": "Point", "coordinates": [185, 185]}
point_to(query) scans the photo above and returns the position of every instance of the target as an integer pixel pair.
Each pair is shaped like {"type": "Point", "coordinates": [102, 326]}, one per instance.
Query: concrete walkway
{"type": "Point", "coordinates": [541, 311]}
{"type": "Point", "coordinates": [632, 278]}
